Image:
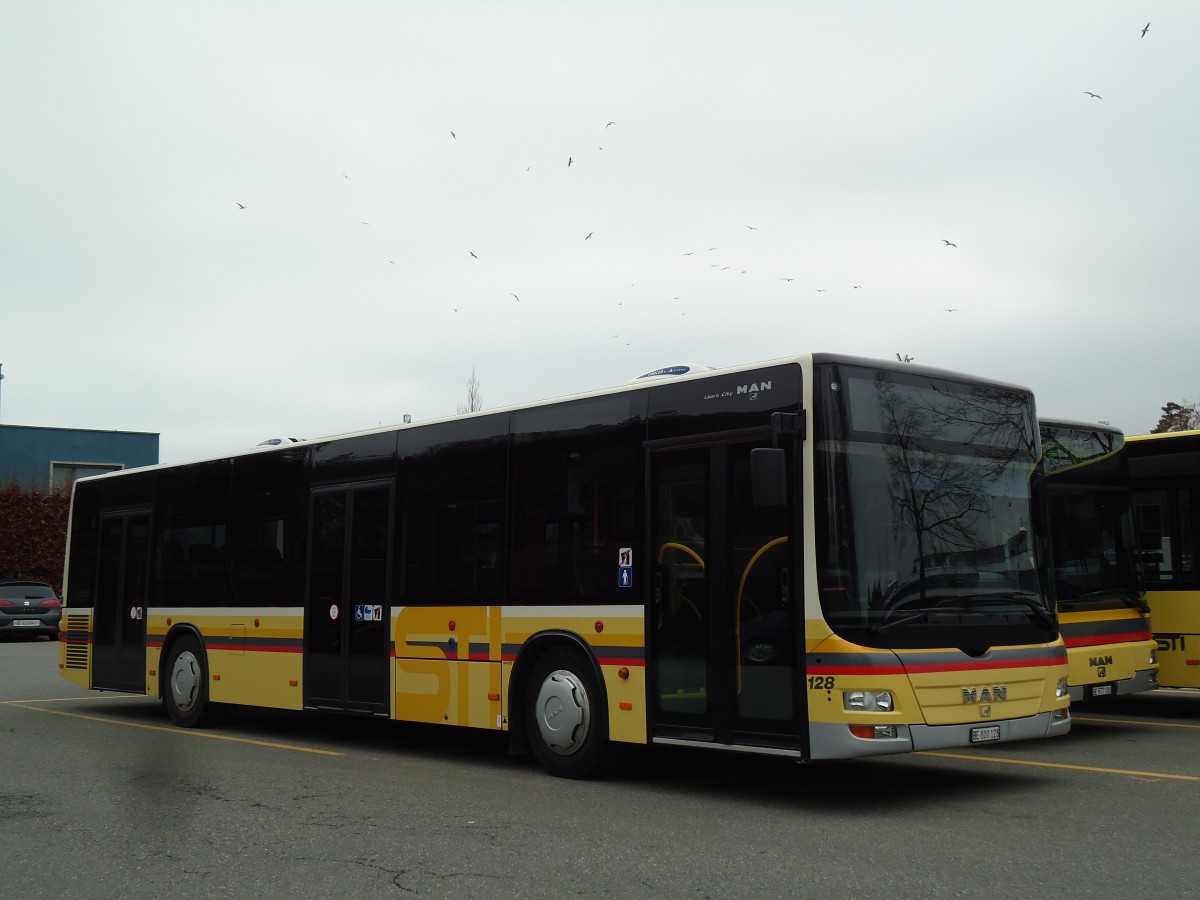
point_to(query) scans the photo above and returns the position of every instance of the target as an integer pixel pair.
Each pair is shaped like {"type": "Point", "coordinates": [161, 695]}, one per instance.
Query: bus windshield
{"type": "Point", "coordinates": [1087, 481]}
{"type": "Point", "coordinates": [927, 487]}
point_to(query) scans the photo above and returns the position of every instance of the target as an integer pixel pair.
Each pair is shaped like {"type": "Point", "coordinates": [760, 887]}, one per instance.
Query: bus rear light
{"type": "Point", "coordinates": [873, 732]}
{"type": "Point", "coordinates": [1061, 714]}
{"type": "Point", "coordinates": [1153, 657]}
{"type": "Point", "coordinates": [868, 701]}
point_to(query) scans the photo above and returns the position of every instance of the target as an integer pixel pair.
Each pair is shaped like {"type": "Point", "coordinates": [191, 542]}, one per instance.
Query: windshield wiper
{"type": "Point", "coordinates": [1135, 601]}
{"type": "Point", "coordinates": [921, 615]}
{"type": "Point", "coordinates": [1030, 601]}
{"type": "Point", "coordinates": [1128, 597]}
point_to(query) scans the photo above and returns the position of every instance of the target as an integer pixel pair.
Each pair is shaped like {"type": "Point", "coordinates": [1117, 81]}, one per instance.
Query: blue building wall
{"type": "Point", "coordinates": [27, 453]}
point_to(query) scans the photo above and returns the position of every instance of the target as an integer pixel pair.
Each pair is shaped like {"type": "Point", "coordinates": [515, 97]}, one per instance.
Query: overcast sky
{"type": "Point", "coordinates": [420, 181]}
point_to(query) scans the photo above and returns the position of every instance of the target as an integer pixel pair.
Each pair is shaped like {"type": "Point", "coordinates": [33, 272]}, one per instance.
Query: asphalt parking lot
{"type": "Point", "coordinates": [102, 796]}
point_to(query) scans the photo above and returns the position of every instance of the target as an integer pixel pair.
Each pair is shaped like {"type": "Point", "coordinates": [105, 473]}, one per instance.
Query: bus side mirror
{"type": "Point", "coordinates": [768, 477]}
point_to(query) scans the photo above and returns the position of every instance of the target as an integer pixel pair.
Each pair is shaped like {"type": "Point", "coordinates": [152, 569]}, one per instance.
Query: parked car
{"type": "Point", "coordinates": [29, 607]}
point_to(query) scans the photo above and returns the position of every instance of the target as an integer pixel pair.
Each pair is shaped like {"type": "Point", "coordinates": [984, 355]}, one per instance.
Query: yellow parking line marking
{"type": "Point", "coordinates": [69, 699]}
{"type": "Point", "coordinates": [1132, 722]}
{"type": "Point", "coordinates": [187, 731]}
{"type": "Point", "coordinates": [1049, 765]}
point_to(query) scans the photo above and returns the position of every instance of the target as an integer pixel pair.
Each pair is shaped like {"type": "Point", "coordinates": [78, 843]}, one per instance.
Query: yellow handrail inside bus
{"type": "Point", "coordinates": [673, 545]}
{"type": "Point", "coordinates": [737, 625]}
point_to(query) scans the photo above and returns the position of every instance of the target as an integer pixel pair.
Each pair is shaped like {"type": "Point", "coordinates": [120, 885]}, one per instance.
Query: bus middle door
{"type": "Point", "coordinates": [347, 608]}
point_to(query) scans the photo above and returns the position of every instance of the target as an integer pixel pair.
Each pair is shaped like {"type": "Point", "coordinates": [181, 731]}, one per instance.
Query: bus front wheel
{"type": "Point", "coordinates": [185, 692]}
{"type": "Point", "coordinates": [566, 718]}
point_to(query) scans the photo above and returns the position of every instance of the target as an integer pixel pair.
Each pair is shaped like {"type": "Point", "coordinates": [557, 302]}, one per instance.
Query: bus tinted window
{"type": "Point", "coordinates": [452, 523]}
{"type": "Point", "coordinates": [574, 508]}
{"type": "Point", "coordinates": [267, 521]}
{"type": "Point", "coordinates": [193, 549]}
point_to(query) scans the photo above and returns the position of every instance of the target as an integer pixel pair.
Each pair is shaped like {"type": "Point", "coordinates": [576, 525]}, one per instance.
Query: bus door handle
{"type": "Point", "coordinates": [658, 593]}
{"type": "Point", "coordinates": [785, 586]}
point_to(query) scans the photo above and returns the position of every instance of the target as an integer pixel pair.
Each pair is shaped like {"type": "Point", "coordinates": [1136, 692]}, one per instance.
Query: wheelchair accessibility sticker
{"type": "Point", "coordinates": [368, 613]}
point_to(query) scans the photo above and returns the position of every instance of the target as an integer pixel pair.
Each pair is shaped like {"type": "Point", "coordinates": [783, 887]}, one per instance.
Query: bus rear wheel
{"type": "Point", "coordinates": [566, 717]}
{"type": "Point", "coordinates": [185, 690]}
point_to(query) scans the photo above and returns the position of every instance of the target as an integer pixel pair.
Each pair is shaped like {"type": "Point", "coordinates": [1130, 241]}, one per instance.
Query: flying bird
{"type": "Point", "coordinates": [948, 243]}
{"type": "Point", "coordinates": [819, 290]}
{"type": "Point", "coordinates": [690, 253]}
{"type": "Point", "coordinates": [856, 286]}
{"type": "Point", "coordinates": [752, 228]}
{"type": "Point", "coordinates": [1144, 30]}
{"type": "Point", "coordinates": [453, 135]}
{"type": "Point", "coordinates": [952, 310]}
{"type": "Point", "coordinates": [473, 256]}
{"type": "Point", "coordinates": [240, 205]}
{"type": "Point", "coordinates": [614, 123]}
{"type": "Point", "coordinates": [570, 159]}
{"type": "Point", "coordinates": [1090, 94]}
{"type": "Point", "coordinates": [589, 236]}
{"type": "Point", "coordinates": [514, 295]}
{"type": "Point", "coordinates": [787, 279]}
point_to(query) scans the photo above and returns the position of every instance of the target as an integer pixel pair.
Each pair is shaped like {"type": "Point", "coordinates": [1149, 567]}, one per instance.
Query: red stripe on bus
{"type": "Point", "coordinates": [1107, 639]}
{"type": "Point", "coordinates": [255, 647]}
{"type": "Point", "coordinates": [928, 668]}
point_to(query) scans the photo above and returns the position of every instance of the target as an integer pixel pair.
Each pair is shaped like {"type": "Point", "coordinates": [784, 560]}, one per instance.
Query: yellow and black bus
{"type": "Point", "coordinates": [1165, 473]}
{"type": "Point", "coordinates": [817, 557]}
{"type": "Point", "coordinates": [1102, 614]}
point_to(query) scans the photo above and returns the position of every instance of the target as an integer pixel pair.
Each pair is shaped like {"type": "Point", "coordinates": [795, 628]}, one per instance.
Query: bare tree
{"type": "Point", "coordinates": [474, 396]}
{"type": "Point", "coordinates": [1178, 417]}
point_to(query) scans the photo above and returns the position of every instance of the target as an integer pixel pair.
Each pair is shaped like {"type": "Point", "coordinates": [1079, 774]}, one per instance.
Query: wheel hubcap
{"type": "Point", "coordinates": [185, 681]}
{"type": "Point", "coordinates": [563, 712]}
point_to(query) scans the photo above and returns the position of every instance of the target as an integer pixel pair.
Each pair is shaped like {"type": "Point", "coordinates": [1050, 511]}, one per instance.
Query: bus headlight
{"type": "Point", "coordinates": [1062, 690]}
{"type": "Point", "coordinates": [1154, 657]}
{"type": "Point", "coordinates": [868, 701]}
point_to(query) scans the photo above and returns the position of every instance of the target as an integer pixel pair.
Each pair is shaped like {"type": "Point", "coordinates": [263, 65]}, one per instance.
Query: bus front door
{"type": "Point", "coordinates": [725, 629]}
{"type": "Point", "coordinates": [119, 610]}
{"type": "Point", "coordinates": [348, 599]}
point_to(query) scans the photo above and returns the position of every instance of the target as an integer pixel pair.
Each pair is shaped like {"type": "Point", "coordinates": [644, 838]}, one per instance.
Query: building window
{"type": "Point", "coordinates": [64, 474]}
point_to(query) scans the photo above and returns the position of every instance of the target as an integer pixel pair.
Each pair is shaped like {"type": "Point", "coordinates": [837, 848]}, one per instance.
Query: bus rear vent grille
{"type": "Point", "coordinates": [76, 654]}
{"type": "Point", "coordinates": [75, 638]}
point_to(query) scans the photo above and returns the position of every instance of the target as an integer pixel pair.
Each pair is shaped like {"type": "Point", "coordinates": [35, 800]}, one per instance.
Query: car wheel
{"type": "Point", "coordinates": [185, 689]}
{"type": "Point", "coordinates": [566, 716]}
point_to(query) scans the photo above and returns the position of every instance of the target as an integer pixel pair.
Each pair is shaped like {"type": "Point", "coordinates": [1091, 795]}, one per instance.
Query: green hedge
{"type": "Point", "coordinates": [33, 534]}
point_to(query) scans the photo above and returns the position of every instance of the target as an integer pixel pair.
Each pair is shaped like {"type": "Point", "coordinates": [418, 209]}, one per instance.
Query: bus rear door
{"type": "Point", "coordinates": [119, 606]}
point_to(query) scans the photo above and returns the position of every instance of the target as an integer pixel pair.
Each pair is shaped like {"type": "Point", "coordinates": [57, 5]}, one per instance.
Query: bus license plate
{"type": "Point", "coordinates": [26, 623]}
{"type": "Point", "coordinates": [985, 733]}
{"type": "Point", "coordinates": [1101, 690]}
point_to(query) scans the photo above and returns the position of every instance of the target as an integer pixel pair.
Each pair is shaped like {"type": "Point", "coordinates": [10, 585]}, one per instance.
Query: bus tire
{"type": "Point", "coordinates": [566, 718]}
{"type": "Point", "coordinates": [185, 687]}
